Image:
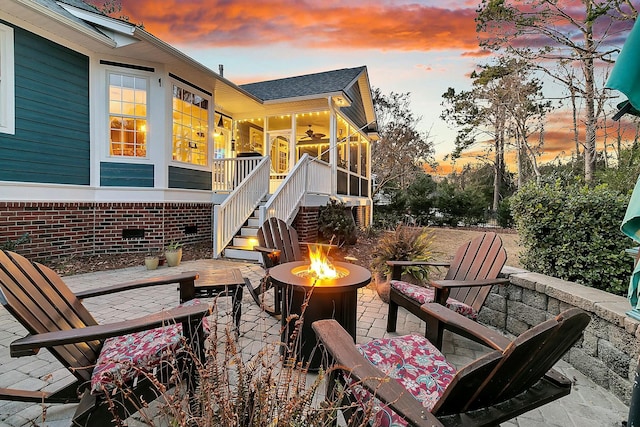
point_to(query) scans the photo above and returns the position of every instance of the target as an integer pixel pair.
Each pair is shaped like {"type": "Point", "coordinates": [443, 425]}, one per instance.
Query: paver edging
{"type": "Point", "coordinates": [608, 353]}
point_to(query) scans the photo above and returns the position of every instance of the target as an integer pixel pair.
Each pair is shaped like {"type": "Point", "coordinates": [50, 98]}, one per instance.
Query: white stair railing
{"type": "Point", "coordinates": [308, 175]}
{"type": "Point", "coordinates": [229, 173]}
{"type": "Point", "coordinates": [318, 177]}
{"type": "Point", "coordinates": [230, 215]}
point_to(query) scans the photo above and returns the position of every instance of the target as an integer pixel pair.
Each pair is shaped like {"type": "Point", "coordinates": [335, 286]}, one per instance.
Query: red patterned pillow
{"type": "Point", "coordinates": [121, 358]}
{"type": "Point", "coordinates": [424, 295]}
{"type": "Point", "coordinates": [415, 363]}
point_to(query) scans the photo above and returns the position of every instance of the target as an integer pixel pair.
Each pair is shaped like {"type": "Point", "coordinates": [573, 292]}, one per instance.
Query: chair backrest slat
{"type": "Point", "coordinates": [481, 258]}
{"type": "Point", "coordinates": [276, 234]}
{"type": "Point", "coordinates": [41, 302]}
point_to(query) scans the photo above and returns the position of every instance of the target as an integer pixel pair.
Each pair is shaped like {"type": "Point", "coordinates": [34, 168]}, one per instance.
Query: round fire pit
{"type": "Point", "coordinates": [328, 299]}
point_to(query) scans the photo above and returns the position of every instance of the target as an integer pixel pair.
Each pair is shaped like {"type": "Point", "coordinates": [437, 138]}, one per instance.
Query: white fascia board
{"type": "Point", "coordinates": [119, 31]}
{"type": "Point", "coordinates": [369, 107]}
{"type": "Point", "coordinates": [99, 19]}
{"type": "Point", "coordinates": [89, 32]}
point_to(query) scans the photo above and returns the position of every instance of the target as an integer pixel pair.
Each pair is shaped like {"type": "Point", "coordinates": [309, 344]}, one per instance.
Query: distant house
{"type": "Point", "coordinates": [112, 140]}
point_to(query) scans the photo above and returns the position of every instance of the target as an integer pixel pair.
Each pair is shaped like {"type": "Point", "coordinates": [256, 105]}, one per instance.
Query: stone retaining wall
{"type": "Point", "coordinates": [608, 352]}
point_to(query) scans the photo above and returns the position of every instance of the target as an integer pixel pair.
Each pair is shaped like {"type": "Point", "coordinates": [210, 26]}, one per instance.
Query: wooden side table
{"type": "Point", "coordinates": [215, 283]}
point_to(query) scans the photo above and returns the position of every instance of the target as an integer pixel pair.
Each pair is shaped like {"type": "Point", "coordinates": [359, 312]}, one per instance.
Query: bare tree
{"type": "Point", "coordinates": [402, 150]}
{"type": "Point", "coordinates": [554, 24]}
{"type": "Point", "coordinates": [504, 101]}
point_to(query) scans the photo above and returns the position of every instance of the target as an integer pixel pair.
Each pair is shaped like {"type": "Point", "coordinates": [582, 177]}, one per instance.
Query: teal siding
{"type": "Point", "coordinates": [51, 142]}
{"type": "Point", "coordinates": [189, 178]}
{"type": "Point", "coordinates": [356, 111]}
{"type": "Point", "coordinates": [125, 175]}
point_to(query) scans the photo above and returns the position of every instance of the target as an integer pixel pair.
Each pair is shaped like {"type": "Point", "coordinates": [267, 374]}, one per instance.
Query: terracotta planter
{"type": "Point", "coordinates": [173, 257]}
{"type": "Point", "coordinates": [151, 262]}
{"type": "Point", "coordinates": [383, 286]}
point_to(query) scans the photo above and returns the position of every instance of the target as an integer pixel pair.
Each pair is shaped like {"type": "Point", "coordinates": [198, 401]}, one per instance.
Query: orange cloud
{"type": "Point", "coordinates": [481, 53]}
{"type": "Point", "coordinates": [559, 142]}
{"type": "Point", "coordinates": [361, 24]}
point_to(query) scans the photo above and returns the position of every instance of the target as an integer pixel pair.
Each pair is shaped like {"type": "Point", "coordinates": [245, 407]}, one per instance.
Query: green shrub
{"type": "Point", "coordinates": [503, 216]}
{"type": "Point", "coordinates": [12, 245]}
{"type": "Point", "coordinates": [459, 206]}
{"type": "Point", "coordinates": [336, 223]}
{"type": "Point", "coordinates": [573, 233]}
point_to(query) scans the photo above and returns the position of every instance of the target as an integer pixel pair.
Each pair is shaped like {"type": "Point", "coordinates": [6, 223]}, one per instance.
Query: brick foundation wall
{"type": "Point", "coordinates": [362, 215]}
{"type": "Point", "coordinates": [62, 229]}
{"type": "Point", "coordinates": [306, 224]}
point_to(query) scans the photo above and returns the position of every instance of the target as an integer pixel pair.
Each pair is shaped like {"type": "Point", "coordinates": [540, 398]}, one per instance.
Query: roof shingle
{"type": "Point", "coordinates": [300, 86]}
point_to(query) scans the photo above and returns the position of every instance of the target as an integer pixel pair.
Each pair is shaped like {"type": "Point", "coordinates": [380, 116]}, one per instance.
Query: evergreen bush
{"type": "Point", "coordinates": [573, 233]}
{"type": "Point", "coordinates": [336, 223]}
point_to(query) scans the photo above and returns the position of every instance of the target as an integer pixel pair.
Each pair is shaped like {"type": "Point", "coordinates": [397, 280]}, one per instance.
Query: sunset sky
{"type": "Point", "coordinates": [419, 46]}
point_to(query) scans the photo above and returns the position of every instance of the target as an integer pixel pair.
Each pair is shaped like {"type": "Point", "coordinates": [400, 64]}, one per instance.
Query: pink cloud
{"type": "Point", "coordinates": [363, 25]}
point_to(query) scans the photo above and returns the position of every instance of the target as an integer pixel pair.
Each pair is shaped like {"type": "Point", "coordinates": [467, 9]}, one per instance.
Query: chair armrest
{"type": "Point", "coordinates": [187, 277]}
{"type": "Point", "coordinates": [466, 327]}
{"type": "Point", "coordinates": [444, 284]}
{"type": "Point", "coordinates": [270, 257]}
{"type": "Point", "coordinates": [347, 358]}
{"type": "Point", "coordinates": [265, 250]}
{"type": "Point", "coordinates": [31, 344]}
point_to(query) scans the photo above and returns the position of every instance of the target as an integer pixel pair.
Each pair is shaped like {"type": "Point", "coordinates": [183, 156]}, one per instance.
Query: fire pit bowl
{"type": "Point", "coordinates": [335, 298]}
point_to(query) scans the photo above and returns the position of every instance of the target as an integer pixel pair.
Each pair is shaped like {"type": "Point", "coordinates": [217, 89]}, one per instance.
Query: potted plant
{"type": "Point", "coordinates": [402, 244]}
{"type": "Point", "coordinates": [173, 253]}
{"type": "Point", "coordinates": [151, 260]}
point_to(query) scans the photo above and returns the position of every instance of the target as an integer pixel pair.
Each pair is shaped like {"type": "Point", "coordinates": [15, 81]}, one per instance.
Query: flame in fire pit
{"type": "Point", "coordinates": [319, 264]}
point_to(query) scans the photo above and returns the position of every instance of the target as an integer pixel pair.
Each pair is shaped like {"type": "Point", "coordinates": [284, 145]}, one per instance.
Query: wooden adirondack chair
{"type": "Point", "coordinates": [425, 390]}
{"type": "Point", "coordinates": [57, 320]}
{"type": "Point", "coordinates": [278, 243]}
{"type": "Point", "coordinates": [472, 272]}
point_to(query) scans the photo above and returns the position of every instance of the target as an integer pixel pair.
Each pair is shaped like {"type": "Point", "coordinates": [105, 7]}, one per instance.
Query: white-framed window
{"type": "Point", "coordinates": [190, 126]}
{"type": "Point", "coordinates": [128, 99]}
{"type": "Point", "coordinates": [7, 85]}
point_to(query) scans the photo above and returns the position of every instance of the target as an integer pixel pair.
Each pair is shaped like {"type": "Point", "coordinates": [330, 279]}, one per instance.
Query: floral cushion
{"type": "Point", "coordinates": [415, 363]}
{"type": "Point", "coordinates": [424, 295]}
{"type": "Point", "coordinates": [121, 358]}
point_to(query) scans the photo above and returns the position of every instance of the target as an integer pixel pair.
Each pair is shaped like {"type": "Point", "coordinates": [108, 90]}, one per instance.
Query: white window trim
{"type": "Point", "coordinates": [7, 81]}
{"type": "Point", "coordinates": [125, 159]}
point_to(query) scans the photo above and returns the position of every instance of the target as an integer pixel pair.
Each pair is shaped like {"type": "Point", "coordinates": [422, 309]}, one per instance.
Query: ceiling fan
{"type": "Point", "coordinates": [313, 135]}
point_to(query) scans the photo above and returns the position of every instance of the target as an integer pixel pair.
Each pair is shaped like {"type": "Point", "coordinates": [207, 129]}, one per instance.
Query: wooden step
{"type": "Point", "coordinates": [234, 252]}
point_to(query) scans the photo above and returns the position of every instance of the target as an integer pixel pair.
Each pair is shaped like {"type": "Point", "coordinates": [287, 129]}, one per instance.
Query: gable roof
{"type": "Point", "coordinates": [328, 82]}
{"type": "Point", "coordinates": [56, 7]}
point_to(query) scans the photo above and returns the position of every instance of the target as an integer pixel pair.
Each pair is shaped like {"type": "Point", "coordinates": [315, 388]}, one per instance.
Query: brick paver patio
{"type": "Point", "coordinates": [588, 404]}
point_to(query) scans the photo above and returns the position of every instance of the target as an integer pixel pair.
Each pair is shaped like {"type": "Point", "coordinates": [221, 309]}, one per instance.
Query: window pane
{"type": "Point", "coordinates": [128, 82]}
{"type": "Point", "coordinates": [140, 110]}
{"type": "Point", "coordinates": [128, 113]}
{"type": "Point", "coordinates": [190, 127]}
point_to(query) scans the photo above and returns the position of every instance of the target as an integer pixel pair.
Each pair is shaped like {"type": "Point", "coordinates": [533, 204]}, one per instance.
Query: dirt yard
{"type": "Point", "coordinates": [447, 240]}
{"type": "Point", "coordinates": [445, 243]}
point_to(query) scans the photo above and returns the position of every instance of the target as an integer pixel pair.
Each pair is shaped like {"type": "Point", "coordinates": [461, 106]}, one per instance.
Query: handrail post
{"type": "Point", "coordinates": [215, 236]}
